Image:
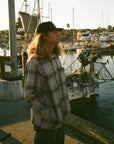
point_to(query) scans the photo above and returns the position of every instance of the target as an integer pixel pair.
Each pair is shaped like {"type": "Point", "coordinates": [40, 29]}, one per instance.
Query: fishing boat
{"type": "Point", "coordinates": [83, 82]}
{"type": "Point", "coordinates": [100, 48]}
{"type": "Point", "coordinates": [111, 37]}
{"type": "Point", "coordinates": [105, 37]}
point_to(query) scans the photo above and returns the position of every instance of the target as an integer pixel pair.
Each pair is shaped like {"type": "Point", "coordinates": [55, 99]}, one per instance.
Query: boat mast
{"type": "Point", "coordinates": [12, 38]}
{"type": "Point", "coordinates": [51, 14]}
{"type": "Point", "coordinates": [38, 12]}
{"type": "Point", "coordinates": [102, 19]}
{"type": "Point", "coordinates": [73, 26]}
{"type": "Point", "coordinates": [26, 5]}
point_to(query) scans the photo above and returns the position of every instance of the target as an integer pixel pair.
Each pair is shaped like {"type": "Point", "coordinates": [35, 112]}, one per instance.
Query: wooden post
{"type": "Point", "coordinates": [91, 130]}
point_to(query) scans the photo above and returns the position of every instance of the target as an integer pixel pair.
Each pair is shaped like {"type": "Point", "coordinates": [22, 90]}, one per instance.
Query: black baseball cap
{"type": "Point", "coordinates": [45, 27]}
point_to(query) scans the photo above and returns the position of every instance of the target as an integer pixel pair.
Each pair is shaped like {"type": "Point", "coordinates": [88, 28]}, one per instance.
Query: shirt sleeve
{"type": "Point", "coordinates": [32, 90]}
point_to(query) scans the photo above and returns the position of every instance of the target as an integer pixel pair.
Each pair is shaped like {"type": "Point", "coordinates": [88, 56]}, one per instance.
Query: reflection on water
{"type": "Point", "coordinates": [86, 108]}
{"type": "Point", "coordinates": [97, 109]}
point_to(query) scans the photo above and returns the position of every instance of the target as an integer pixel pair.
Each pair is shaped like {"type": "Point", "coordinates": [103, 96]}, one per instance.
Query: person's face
{"type": "Point", "coordinates": [52, 38]}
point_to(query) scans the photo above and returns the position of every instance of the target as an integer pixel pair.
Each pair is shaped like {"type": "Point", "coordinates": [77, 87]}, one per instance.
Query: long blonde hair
{"type": "Point", "coordinates": [40, 49]}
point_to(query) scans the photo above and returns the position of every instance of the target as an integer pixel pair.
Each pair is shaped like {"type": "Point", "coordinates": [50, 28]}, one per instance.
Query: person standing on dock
{"type": "Point", "coordinates": [45, 87]}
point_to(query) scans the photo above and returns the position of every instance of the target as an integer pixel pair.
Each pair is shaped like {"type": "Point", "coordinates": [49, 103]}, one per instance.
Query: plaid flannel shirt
{"type": "Point", "coordinates": [45, 91]}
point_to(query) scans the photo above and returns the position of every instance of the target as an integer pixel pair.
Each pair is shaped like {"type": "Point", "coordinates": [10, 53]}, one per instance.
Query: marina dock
{"type": "Point", "coordinates": [16, 127]}
{"type": "Point", "coordinates": [15, 124]}
{"type": "Point", "coordinates": [15, 116]}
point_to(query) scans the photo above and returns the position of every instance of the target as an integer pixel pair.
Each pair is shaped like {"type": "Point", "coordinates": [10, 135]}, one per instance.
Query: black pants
{"type": "Point", "coordinates": [45, 136]}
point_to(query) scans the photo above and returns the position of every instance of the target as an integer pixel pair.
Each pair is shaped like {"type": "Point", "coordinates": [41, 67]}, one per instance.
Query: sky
{"type": "Point", "coordinates": [87, 13]}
